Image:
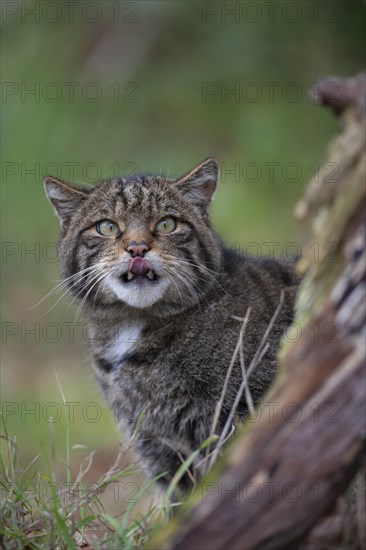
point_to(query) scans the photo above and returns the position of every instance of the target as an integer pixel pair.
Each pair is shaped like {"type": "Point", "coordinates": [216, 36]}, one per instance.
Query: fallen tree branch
{"type": "Point", "coordinates": [285, 470]}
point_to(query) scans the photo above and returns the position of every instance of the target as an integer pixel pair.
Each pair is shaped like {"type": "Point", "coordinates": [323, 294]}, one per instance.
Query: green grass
{"type": "Point", "coordinates": [55, 506]}
{"type": "Point", "coordinates": [40, 511]}
{"type": "Point", "coordinates": [50, 506]}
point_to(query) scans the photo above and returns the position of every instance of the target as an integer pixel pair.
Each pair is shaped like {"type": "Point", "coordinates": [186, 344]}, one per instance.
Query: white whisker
{"type": "Point", "coordinates": [81, 305]}
{"type": "Point", "coordinates": [203, 268]}
{"type": "Point", "coordinates": [175, 284]}
{"type": "Point", "coordinates": [187, 284]}
{"type": "Point", "coordinates": [60, 286]}
{"type": "Point", "coordinates": [64, 294]}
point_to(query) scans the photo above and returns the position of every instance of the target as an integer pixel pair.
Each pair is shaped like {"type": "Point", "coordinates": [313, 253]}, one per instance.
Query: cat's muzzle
{"type": "Point", "coordinates": [139, 269]}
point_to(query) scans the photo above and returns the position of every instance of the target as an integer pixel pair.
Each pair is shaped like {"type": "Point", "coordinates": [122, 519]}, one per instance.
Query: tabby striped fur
{"type": "Point", "coordinates": [162, 348]}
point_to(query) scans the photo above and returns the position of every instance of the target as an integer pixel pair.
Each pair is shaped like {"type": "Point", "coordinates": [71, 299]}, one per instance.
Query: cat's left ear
{"type": "Point", "coordinates": [65, 198]}
{"type": "Point", "coordinates": [199, 184]}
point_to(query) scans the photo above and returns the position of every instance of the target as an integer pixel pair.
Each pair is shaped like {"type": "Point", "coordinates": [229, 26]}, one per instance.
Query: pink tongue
{"type": "Point", "coordinates": [139, 266]}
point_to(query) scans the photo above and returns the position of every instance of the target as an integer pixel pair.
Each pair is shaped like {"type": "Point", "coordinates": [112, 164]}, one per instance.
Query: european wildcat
{"type": "Point", "coordinates": [161, 292]}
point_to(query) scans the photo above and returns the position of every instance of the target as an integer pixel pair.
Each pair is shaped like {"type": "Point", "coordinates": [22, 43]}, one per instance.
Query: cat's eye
{"type": "Point", "coordinates": [107, 228]}
{"type": "Point", "coordinates": [166, 225]}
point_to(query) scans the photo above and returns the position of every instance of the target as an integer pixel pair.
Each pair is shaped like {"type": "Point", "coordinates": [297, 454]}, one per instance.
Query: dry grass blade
{"type": "Point", "coordinates": [205, 459]}
{"type": "Point", "coordinates": [220, 403]}
{"type": "Point", "coordinates": [228, 374]}
{"type": "Point", "coordinates": [248, 395]}
{"type": "Point", "coordinates": [257, 358]}
{"type": "Point", "coordinates": [229, 421]}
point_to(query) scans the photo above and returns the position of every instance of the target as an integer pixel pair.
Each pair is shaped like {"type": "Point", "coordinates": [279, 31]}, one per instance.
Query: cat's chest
{"type": "Point", "coordinates": [124, 339]}
{"type": "Point", "coordinates": [111, 352]}
{"type": "Point", "coordinates": [141, 351]}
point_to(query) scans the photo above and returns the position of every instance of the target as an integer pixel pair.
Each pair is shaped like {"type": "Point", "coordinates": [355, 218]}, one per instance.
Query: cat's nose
{"type": "Point", "coordinates": [137, 249]}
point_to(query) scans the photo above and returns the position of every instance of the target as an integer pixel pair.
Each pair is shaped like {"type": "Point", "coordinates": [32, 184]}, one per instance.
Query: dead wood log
{"type": "Point", "coordinates": [284, 472]}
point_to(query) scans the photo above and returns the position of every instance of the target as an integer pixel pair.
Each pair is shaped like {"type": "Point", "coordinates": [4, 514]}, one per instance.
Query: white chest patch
{"type": "Point", "coordinates": [124, 340]}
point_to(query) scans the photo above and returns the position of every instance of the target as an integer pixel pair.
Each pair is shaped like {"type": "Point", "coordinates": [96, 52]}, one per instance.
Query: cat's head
{"type": "Point", "coordinates": [145, 241]}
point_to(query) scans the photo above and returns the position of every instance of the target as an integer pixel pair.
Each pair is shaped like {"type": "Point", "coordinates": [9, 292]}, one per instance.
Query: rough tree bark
{"type": "Point", "coordinates": [284, 473]}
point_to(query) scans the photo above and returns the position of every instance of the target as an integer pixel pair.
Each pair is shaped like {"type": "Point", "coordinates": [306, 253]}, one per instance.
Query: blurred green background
{"type": "Point", "coordinates": [156, 86]}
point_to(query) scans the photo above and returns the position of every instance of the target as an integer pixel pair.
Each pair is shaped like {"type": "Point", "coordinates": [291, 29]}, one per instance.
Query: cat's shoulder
{"type": "Point", "coordinates": [282, 269]}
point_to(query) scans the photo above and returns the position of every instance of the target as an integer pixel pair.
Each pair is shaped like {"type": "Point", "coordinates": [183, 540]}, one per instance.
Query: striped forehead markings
{"type": "Point", "coordinates": [144, 195]}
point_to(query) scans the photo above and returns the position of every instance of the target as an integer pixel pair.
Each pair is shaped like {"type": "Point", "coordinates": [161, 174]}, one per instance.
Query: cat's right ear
{"type": "Point", "coordinates": [64, 197]}
{"type": "Point", "coordinates": [200, 183]}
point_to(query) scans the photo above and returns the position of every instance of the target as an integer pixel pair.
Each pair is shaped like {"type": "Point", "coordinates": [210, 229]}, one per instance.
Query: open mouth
{"type": "Point", "coordinates": [129, 276]}
{"type": "Point", "coordinates": [139, 270]}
